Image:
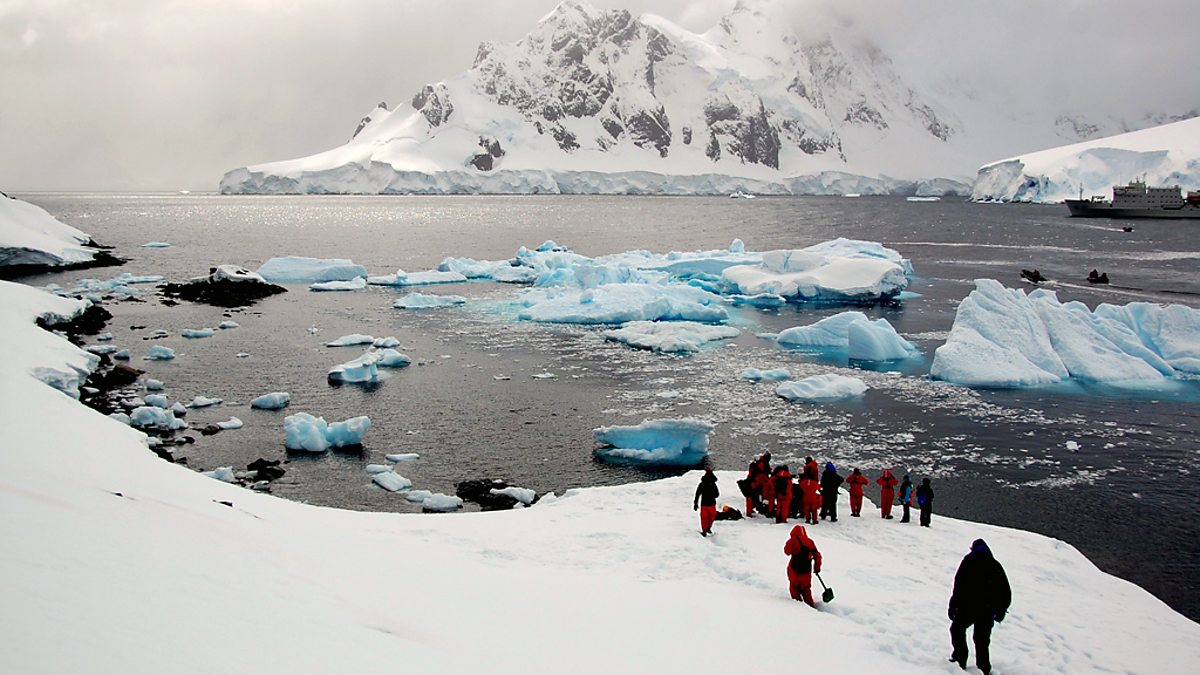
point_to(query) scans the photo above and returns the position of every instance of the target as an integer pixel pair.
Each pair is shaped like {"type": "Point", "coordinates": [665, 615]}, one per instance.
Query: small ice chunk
{"type": "Point", "coordinates": [737, 246]}
{"type": "Point", "coordinates": [522, 495]}
{"type": "Point", "coordinates": [122, 354]}
{"type": "Point", "coordinates": [385, 342]}
{"type": "Point", "coordinates": [160, 353]}
{"type": "Point", "coordinates": [402, 457]}
{"type": "Point", "coordinates": [822, 388]}
{"type": "Point", "coordinates": [305, 432]}
{"type": "Point", "coordinates": [391, 481]}
{"type": "Point", "coordinates": [355, 284]}
{"type": "Point", "coordinates": [152, 384]}
{"type": "Point", "coordinates": [242, 355]}
{"type": "Point", "coordinates": [224, 474]}
{"type": "Point", "coordinates": [272, 401]}
{"type": "Point", "coordinates": [351, 340]}
{"type": "Point", "coordinates": [363, 369]}
{"type": "Point", "coordinates": [402, 278]}
{"type": "Point", "coordinates": [104, 337]}
{"type": "Point", "coordinates": [121, 417]}
{"type": "Point", "coordinates": [101, 349]}
{"type": "Point", "coordinates": [203, 402]}
{"type": "Point", "coordinates": [160, 333]}
{"type": "Point", "coordinates": [156, 244]}
{"type": "Point", "coordinates": [390, 358]}
{"type": "Point", "coordinates": [349, 432]}
{"type": "Point", "coordinates": [231, 423]}
{"type": "Point", "coordinates": [179, 409]}
{"type": "Point", "coordinates": [157, 400]}
{"type": "Point", "coordinates": [773, 375]}
{"type": "Point", "coordinates": [442, 503]}
{"type": "Point", "coordinates": [679, 337]}
{"type": "Point", "coordinates": [543, 376]}
{"type": "Point", "coordinates": [427, 301]}
{"type": "Point", "coordinates": [378, 468]}
{"type": "Point", "coordinates": [149, 417]}
{"type": "Point", "coordinates": [417, 496]}
{"type": "Point", "coordinates": [226, 325]}
{"type": "Point", "coordinates": [1073, 446]}
{"type": "Point", "coordinates": [197, 332]}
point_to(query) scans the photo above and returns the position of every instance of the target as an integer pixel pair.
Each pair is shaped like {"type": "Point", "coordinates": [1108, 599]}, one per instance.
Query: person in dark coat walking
{"type": "Point", "coordinates": [925, 501]}
{"type": "Point", "coordinates": [981, 595]}
{"type": "Point", "coordinates": [906, 495]}
{"type": "Point", "coordinates": [705, 501]}
{"type": "Point", "coordinates": [830, 482]}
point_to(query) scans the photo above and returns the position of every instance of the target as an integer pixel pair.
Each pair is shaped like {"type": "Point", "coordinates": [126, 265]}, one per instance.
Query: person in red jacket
{"type": "Point", "coordinates": [887, 492]}
{"type": "Point", "coordinates": [804, 560]}
{"type": "Point", "coordinates": [810, 464]}
{"type": "Point", "coordinates": [705, 500]}
{"type": "Point", "coordinates": [781, 482]}
{"type": "Point", "coordinates": [810, 488]}
{"type": "Point", "coordinates": [756, 476]}
{"type": "Point", "coordinates": [857, 482]}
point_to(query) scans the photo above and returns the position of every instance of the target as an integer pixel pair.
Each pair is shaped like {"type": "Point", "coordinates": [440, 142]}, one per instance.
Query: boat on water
{"type": "Point", "coordinates": [1137, 200]}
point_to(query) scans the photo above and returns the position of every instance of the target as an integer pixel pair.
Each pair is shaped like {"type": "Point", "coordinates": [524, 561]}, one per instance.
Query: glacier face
{"type": "Point", "coordinates": [1164, 155]}
{"type": "Point", "coordinates": [595, 101]}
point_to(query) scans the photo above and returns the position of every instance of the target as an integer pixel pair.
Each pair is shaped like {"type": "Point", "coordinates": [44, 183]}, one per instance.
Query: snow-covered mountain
{"type": "Point", "coordinates": [603, 101]}
{"type": "Point", "coordinates": [1163, 155]}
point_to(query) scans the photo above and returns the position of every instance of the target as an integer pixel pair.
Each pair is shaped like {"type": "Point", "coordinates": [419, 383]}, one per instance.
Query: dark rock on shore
{"type": "Point", "coordinates": [90, 322]}
{"type": "Point", "coordinates": [101, 258]}
{"type": "Point", "coordinates": [479, 491]}
{"type": "Point", "coordinates": [225, 286]}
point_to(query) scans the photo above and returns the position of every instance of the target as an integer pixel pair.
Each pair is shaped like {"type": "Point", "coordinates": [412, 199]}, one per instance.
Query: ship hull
{"type": "Point", "coordinates": [1083, 208]}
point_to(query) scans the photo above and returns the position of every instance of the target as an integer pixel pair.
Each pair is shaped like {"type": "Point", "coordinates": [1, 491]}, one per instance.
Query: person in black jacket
{"type": "Point", "coordinates": [925, 501]}
{"type": "Point", "coordinates": [705, 500]}
{"type": "Point", "coordinates": [981, 595]}
{"type": "Point", "coordinates": [830, 482]}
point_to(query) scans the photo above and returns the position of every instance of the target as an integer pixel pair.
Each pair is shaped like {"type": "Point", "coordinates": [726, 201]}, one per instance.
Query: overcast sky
{"type": "Point", "coordinates": [170, 94]}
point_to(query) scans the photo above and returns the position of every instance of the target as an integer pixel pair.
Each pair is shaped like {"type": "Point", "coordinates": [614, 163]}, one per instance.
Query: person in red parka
{"type": "Point", "coordinates": [810, 464]}
{"type": "Point", "coordinates": [705, 500]}
{"type": "Point", "coordinates": [804, 560]}
{"type": "Point", "coordinates": [781, 482]}
{"type": "Point", "coordinates": [810, 488]}
{"type": "Point", "coordinates": [756, 476]}
{"type": "Point", "coordinates": [887, 492]}
{"type": "Point", "coordinates": [857, 483]}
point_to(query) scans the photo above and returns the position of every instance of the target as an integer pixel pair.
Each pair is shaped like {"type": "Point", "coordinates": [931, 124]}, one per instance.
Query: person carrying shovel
{"type": "Point", "coordinates": [804, 561]}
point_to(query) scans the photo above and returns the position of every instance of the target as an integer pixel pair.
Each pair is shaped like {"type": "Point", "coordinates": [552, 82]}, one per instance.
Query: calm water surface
{"type": "Point", "coordinates": [1128, 497]}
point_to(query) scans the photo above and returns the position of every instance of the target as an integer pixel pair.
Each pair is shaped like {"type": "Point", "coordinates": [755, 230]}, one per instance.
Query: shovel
{"type": "Point", "coordinates": [827, 596]}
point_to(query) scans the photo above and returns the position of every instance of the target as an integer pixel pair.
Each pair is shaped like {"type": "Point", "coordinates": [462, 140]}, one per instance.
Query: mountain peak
{"type": "Point", "coordinates": [572, 12]}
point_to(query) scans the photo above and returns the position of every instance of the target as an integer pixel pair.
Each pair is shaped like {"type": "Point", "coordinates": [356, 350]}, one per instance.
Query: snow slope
{"type": "Point", "coordinates": [1164, 155]}
{"type": "Point", "coordinates": [116, 561]}
{"type": "Point", "coordinates": [30, 236]}
{"type": "Point", "coordinates": [776, 99]}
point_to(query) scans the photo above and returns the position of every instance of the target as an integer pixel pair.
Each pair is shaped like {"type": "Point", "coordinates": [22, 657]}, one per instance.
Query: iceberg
{"type": "Point", "coordinates": [363, 369]}
{"type": "Point", "coordinates": [391, 481]}
{"type": "Point", "coordinates": [822, 388]}
{"type": "Point", "coordinates": [424, 301]}
{"type": "Point", "coordinates": [385, 342]}
{"type": "Point", "coordinates": [862, 338]}
{"type": "Point", "coordinates": [402, 278]}
{"type": "Point", "coordinates": [352, 340]}
{"type": "Point", "coordinates": [272, 401]}
{"type": "Point", "coordinates": [226, 325]}
{"type": "Point", "coordinates": [680, 337]}
{"type": "Point", "coordinates": [306, 432]}
{"type": "Point", "coordinates": [832, 332]}
{"type": "Point", "coordinates": [622, 303]}
{"type": "Point", "coordinates": [300, 269]}
{"type": "Point", "coordinates": [157, 401]}
{"type": "Point", "coordinates": [842, 270]}
{"type": "Point", "coordinates": [1003, 338]}
{"type": "Point", "coordinates": [661, 442]}
{"type": "Point", "coordinates": [355, 284]}
{"type": "Point", "coordinates": [197, 333]}
{"type": "Point", "coordinates": [160, 353]}
{"type": "Point", "coordinates": [773, 375]}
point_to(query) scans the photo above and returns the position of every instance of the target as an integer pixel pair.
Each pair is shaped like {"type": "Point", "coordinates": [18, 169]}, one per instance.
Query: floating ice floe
{"type": "Point", "coordinates": [390, 358]}
{"type": "Point", "coordinates": [440, 503]}
{"type": "Point", "coordinates": [224, 474]}
{"type": "Point", "coordinates": [504, 271]}
{"type": "Point", "coordinates": [822, 388]}
{"type": "Point", "coordinates": [300, 269]}
{"type": "Point", "coordinates": [773, 375]}
{"type": "Point", "coordinates": [402, 457]}
{"type": "Point", "coordinates": [272, 401]}
{"type": "Point", "coordinates": [377, 468]}
{"type": "Point", "coordinates": [149, 417]}
{"type": "Point", "coordinates": [523, 495]}
{"type": "Point", "coordinates": [391, 481]}
{"type": "Point", "coordinates": [351, 340]}
{"type": "Point", "coordinates": [862, 338]}
{"type": "Point", "coordinates": [160, 353]}
{"type": "Point", "coordinates": [402, 278]}
{"type": "Point", "coordinates": [1002, 337]}
{"type": "Point", "coordinates": [122, 354]}
{"type": "Point", "coordinates": [306, 432]}
{"type": "Point", "coordinates": [622, 303]}
{"type": "Point", "coordinates": [197, 333]}
{"type": "Point", "coordinates": [179, 409]}
{"type": "Point", "coordinates": [156, 244]}
{"type": "Point", "coordinates": [152, 384]}
{"type": "Point", "coordinates": [365, 368]}
{"type": "Point", "coordinates": [665, 442]}
{"type": "Point", "coordinates": [104, 337]}
{"type": "Point", "coordinates": [673, 337]}
{"type": "Point", "coordinates": [424, 301]}
{"type": "Point", "coordinates": [226, 325]}
{"type": "Point", "coordinates": [102, 349]}
{"type": "Point", "coordinates": [385, 342]}
{"type": "Point", "coordinates": [157, 400]}
{"type": "Point", "coordinates": [842, 270]}
{"type": "Point", "coordinates": [203, 402]}
{"type": "Point", "coordinates": [355, 284]}
{"type": "Point", "coordinates": [231, 423]}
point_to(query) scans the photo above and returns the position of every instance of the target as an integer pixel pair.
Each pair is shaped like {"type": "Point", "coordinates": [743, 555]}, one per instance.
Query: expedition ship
{"type": "Point", "coordinates": [1138, 201]}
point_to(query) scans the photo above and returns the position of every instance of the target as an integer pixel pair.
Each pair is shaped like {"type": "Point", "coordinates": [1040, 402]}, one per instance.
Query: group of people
{"type": "Point", "coordinates": [981, 594]}
{"type": "Point", "coordinates": [771, 492]}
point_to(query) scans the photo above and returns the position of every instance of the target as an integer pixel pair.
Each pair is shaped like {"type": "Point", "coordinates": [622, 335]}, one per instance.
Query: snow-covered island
{"type": "Point", "coordinates": [606, 102]}
{"type": "Point", "coordinates": [31, 238]}
{"type": "Point", "coordinates": [140, 565]}
{"type": "Point", "coordinates": [1162, 156]}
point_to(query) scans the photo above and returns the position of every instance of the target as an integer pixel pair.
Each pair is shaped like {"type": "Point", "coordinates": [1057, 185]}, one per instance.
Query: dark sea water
{"type": "Point", "coordinates": [1128, 497]}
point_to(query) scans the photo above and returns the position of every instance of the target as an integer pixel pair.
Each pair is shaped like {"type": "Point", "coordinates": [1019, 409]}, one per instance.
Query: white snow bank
{"type": "Point", "coordinates": [1002, 337]}
{"type": "Point", "coordinates": [675, 337]}
{"type": "Point", "coordinates": [665, 442]}
{"type": "Point", "coordinates": [139, 538]}
{"type": "Point", "coordinates": [1164, 155]}
{"type": "Point", "coordinates": [301, 269]}
{"type": "Point", "coordinates": [822, 388]}
{"type": "Point", "coordinates": [51, 358]}
{"type": "Point", "coordinates": [31, 236]}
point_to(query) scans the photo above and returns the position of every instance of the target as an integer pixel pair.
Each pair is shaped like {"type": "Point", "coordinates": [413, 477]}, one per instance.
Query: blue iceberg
{"type": "Point", "coordinates": [659, 442]}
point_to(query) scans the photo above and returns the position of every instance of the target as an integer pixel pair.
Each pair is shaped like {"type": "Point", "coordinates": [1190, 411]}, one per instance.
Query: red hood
{"type": "Point", "coordinates": [800, 535]}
